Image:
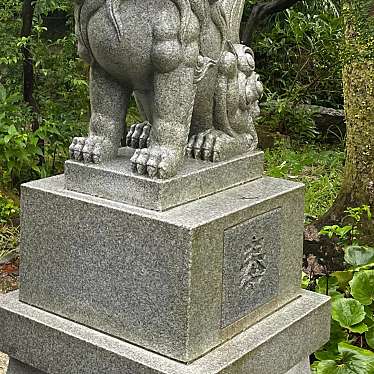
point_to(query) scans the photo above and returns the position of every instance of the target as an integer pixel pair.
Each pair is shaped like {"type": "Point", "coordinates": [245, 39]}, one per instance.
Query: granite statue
{"type": "Point", "coordinates": [194, 83]}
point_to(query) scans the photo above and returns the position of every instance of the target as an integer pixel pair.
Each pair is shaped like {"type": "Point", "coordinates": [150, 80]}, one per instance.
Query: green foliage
{"type": "Point", "coordinates": [8, 209]}
{"type": "Point", "coordinates": [61, 93]}
{"type": "Point", "coordinates": [298, 53]}
{"type": "Point", "coordinates": [347, 235]}
{"type": "Point", "coordinates": [358, 256]}
{"type": "Point", "coordinates": [9, 240]}
{"type": "Point", "coordinates": [18, 145]}
{"type": "Point", "coordinates": [352, 291]}
{"type": "Point", "coordinates": [318, 167]}
{"type": "Point", "coordinates": [349, 360]}
{"type": "Point", "coordinates": [289, 118]}
{"type": "Point", "coordinates": [362, 286]}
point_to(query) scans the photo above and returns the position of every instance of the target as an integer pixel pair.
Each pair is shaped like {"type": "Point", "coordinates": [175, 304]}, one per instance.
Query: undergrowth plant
{"type": "Point", "coordinates": [302, 47]}
{"type": "Point", "coordinates": [319, 167]}
{"type": "Point", "coordinates": [8, 209]}
{"type": "Point", "coordinates": [9, 240]}
{"type": "Point", "coordinates": [351, 346]}
{"type": "Point", "coordinates": [60, 93]}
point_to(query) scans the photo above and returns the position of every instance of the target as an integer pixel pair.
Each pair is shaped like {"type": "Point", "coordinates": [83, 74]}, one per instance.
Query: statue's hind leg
{"type": "Point", "coordinates": [109, 102]}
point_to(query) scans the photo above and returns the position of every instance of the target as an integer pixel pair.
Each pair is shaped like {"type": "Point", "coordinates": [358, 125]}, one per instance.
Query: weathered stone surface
{"type": "Point", "coordinates": [195, 85]}
{"type": "Point", "coordinates": [152, 278]}
{"type": "Point", "coordinates": [250, 265]}
{"type": "Point", "coordinates": [302, 368]}
{"type": "Point", "coordinates": [18, 367]}
{"type": "Point", "coordinates": [114, 180]}
{"type": "Point", "coordinates": [56, 345]}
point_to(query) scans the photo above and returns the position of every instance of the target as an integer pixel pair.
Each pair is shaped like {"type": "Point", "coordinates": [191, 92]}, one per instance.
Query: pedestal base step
{"type": "Point", "coordinates": [17, 367]}
{"type": "Point", "coordinates": [42, 343]}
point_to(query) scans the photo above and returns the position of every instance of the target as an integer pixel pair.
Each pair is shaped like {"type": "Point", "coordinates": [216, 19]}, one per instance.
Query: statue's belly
{"type": "Point", "coordinates": [127, 59]}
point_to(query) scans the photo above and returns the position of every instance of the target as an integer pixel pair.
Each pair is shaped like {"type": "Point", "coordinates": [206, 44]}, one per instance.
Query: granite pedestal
{"type": "Point", "coordinates": [278, 344]}
{"type": "Point", "coordinates": [210, 285]}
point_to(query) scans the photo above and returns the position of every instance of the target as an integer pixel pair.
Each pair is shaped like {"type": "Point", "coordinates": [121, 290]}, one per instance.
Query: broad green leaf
{"type": "Point", "coordinates": [352, 360]}
{"type": "Point", "coordinates": [370, 337]}
{"type": "Point", "coordinates": [305, 281]}
{"type": "Point", "coordinates": [338, 334]}
{"type": "Point", "coordinates": [326, 355]}
{"type": "Point", "coordinates": [369, 314]}
{"type": "Point", "coordinates": [326, 284]}
{"type": "Point", "coordinates": [348, 364]}
{"type": "Point", "coordinates": [359, 328]}
{"type": "Point", "coordinates": [362, 286]}
{"type": "Point", "coordinates": [347, 312]}
{"type": "Point", "coordinates": [357, 255]}
{"type": "Point", "coordinates": [335, 295]}
{"type": "Point", "coordinates": [346, 347]}
{"type": "Point", "coordinates": [343, 278]}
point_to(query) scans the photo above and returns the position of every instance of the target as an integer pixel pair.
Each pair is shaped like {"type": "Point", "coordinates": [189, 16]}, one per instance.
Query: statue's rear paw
{"type": "Point", "coordinates": [138, 135]}
{"type": "Point", "coordinates": [93, 149]}
{"type": "Point", "coordinates": [157, 161]}
{"type": "Point", "coordinates": [215, 146]}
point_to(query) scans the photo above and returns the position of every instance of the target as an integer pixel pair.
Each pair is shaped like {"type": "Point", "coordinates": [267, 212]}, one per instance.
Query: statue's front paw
{"type": "Point", "coordinates": [157, 161]}
{"type": "Point", "coordinates": [93, 149]}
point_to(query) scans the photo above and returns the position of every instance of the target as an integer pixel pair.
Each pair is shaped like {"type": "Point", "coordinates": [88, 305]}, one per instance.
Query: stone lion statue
{"type": "Point", "coordinates": [194, 84]}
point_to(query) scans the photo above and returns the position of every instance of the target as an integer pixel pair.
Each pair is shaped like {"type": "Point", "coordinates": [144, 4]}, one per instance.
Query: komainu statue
{"type": "Point", "coordinates": [194, 83]}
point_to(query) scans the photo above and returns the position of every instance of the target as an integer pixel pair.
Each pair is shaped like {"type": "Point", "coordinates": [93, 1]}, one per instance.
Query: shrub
{"type": "Point", "coordinates": [352, 291]}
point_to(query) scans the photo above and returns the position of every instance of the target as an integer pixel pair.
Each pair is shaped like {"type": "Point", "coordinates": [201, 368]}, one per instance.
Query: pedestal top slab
{"type": "Point", "coordinates": [114, 180]}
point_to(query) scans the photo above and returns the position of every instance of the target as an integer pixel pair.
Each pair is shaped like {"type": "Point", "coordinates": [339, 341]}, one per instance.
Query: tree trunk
{"type": "Point", "coordinates": [28, 63]}
{"type": "Point", "coordinates": [260, 13]}
{"type": "Point", "coordinates": [358, 79]}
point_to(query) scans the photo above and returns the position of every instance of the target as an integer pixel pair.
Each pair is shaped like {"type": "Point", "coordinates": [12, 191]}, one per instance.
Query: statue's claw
{"type": "Point", "coordinates": [215, 145]}
{"type": "Point", "coordinates": [157, 162]}
{"type": "Point", "coordinates": [90, 149]}
{"type": "Point", "coordinates": [138, 135]}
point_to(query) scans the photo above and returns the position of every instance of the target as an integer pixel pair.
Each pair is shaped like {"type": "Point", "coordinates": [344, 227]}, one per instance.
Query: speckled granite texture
{"type": "Point", "coordinates": [153, 278]}
{"type": "Point", "coordinates": [58, 346]}
{"type": "Point", "coordinates": [18, 367]}
{"type": "Point", "coordinates": [251, 265]}
{"type": "Point", "coordinates": [3, 363]}
{"type": "Point", "coordinates": [114, 180]}
{"type": "Point", "coordinates": [302, 368]}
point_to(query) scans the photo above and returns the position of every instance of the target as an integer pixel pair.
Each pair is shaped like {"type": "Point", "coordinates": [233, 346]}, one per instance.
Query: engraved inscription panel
{"type": "Point", "coordinates": [250, 265]}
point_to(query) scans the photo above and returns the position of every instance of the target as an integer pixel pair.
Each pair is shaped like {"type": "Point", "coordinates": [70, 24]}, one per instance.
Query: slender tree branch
{"type": "Point", "coordinates": [259, 14]}
{"type": "Point", "coordinates": [28, 64]}
{"type": "Point", "coordinates": [28, 10]}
